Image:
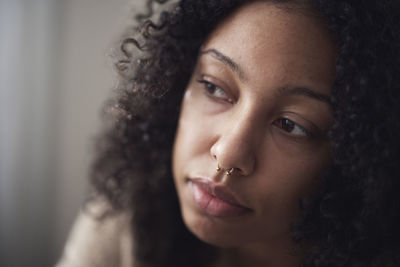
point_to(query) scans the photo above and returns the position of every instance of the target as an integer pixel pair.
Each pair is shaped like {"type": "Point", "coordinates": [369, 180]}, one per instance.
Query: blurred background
{"type": "Point", "coordinates": [55, 74]}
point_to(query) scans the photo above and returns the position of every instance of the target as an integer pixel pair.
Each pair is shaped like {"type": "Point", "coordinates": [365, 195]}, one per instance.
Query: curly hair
{"type": "Point", "coordinates": [353, 221]}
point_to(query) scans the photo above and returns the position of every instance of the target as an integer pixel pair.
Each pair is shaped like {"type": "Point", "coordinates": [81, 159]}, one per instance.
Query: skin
{"type": "Point", "coordinates": [233, 114]}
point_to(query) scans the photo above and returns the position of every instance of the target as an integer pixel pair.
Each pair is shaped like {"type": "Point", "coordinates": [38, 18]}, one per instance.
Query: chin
{"type": "Point", "coordinates": [214, 231]}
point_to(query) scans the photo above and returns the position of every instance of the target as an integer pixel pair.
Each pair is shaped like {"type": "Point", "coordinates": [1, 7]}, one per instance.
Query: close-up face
{"type": "Point", "coordinates": [252, 134]}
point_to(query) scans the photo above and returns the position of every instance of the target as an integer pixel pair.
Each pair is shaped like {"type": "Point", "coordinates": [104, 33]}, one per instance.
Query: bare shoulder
{"type": "Point", "coordinates": [99, 238]}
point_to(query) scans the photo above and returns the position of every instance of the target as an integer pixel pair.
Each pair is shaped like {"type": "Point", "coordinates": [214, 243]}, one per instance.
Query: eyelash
{"type": "Point", "coordinates": [211, 88]}
{"type": "Point", "coordinates": [292, 126]}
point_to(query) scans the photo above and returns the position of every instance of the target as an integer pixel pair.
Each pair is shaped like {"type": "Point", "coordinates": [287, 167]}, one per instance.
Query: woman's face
{"type": "Point", "coordinates": [258, 102]}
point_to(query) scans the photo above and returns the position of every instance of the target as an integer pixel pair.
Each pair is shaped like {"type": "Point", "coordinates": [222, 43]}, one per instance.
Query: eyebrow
{"type": "Point", "coordinates": [303, 91]}
{"type": "Point", "coordinates": [227, 61]}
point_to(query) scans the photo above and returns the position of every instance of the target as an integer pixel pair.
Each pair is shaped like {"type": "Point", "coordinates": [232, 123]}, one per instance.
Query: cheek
{"type": "Point", "coordinates": [192, 138]}
{"type": "Point", "coordinates": [288, 179]}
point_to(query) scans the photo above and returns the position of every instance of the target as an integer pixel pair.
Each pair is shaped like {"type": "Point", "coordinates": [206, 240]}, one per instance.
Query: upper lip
{"type": "Point", "coordinates": [219, 191]}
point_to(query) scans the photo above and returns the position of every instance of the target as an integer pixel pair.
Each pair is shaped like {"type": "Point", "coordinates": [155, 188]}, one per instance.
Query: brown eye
{"type": "Point", "coordinates": [291, 127]}
{"type": "Point", "coordinates": [215, 91]}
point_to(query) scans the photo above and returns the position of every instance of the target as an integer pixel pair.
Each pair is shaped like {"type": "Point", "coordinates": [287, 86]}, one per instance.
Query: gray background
{"type": "Point", "coordinates": [54, 77]}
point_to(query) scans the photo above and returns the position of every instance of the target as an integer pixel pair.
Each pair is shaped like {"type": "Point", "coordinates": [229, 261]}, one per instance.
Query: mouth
{"type": "Point", "coordinates": [216, 199]}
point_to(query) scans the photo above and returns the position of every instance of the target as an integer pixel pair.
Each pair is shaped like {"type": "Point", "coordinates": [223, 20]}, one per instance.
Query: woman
{"type": "Point", "coordinates": [251, 133]}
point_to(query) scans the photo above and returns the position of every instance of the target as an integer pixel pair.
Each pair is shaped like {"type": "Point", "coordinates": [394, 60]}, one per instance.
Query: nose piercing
{"type": "Point", "coordinates": [218, 168]}
{"type": "Point", "coordinates": [229, 172]}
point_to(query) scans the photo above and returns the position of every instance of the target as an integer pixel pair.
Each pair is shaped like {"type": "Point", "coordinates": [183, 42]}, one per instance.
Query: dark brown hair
{"type": "Point", "coordinates": [354, 221]}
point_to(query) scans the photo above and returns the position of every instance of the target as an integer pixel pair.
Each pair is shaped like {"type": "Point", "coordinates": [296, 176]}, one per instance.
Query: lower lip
{"type": "Point", "coordinates": [214, 206]}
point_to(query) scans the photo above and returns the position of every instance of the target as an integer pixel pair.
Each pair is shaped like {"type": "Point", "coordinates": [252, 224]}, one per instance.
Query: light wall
{"type": "Point", "coordinates": [54, 77]}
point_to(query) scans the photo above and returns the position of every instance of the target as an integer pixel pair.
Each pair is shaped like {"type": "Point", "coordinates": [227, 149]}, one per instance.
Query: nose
{"type": "Point", "coordinates": [236, 145]}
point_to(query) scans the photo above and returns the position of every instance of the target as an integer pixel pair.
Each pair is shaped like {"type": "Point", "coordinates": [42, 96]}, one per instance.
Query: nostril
{"type": "Point", "coordinates": [238, 172]}
{"type": "Point", "coordinates": [229, 171]}
{"type": "Point", "coordinates": [232, 157]}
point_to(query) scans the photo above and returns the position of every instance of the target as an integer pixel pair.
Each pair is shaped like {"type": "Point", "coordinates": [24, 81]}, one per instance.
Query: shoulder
{"type": "Point", "coordinates": [99, 238]}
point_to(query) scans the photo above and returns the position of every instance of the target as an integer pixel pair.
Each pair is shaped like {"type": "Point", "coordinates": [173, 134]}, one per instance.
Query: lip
{"type": "Point", "coordinates": [216, 199]}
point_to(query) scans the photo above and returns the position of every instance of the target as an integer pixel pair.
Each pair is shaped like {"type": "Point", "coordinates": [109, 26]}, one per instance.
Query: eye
{"type": "Point", "coordinates": [215, 91]}
{"type": "Point", "coordinates": [291, 127]}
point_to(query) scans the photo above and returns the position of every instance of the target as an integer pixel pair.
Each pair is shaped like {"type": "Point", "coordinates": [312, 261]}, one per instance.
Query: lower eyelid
{"type": "Point", "coordinates": [225, 97]}
{"type": "Point", "coordinates": [307, 132]}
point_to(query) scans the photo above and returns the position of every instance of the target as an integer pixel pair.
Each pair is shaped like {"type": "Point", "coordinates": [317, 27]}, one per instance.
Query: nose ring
{"type": "Point", "coordinates": [228, 172]}
{"type": "Point", "coordinates": [218, 168]}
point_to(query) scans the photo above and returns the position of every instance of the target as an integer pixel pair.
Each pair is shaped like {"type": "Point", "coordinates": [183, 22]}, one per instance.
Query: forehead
{"type": "Point", "coordinates": [268, 40]}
